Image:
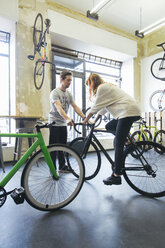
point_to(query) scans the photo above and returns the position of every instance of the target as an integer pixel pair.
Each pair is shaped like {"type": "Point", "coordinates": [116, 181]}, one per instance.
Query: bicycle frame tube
{"type": "Point", "coordinates": [155, 131]}
{"type": "Point", "coordinates": [102, 148]}
{"type": "Point", "coordinates": [39, 142]}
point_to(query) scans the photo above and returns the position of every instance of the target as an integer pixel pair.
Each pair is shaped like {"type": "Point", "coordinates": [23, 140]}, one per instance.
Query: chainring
{"type": "Point", "coordinates": [3, 196]}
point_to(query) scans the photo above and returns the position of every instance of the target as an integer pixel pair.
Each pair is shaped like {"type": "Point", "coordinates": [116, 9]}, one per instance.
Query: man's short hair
{"type": "Point", "coordinates": [65, 73]}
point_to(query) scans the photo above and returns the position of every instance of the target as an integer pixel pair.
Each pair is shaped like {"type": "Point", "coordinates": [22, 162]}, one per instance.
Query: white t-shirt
{"type": "Point", "coordinates": [65, 98]}
{"type": "Point", "coordinates": [116, 101]}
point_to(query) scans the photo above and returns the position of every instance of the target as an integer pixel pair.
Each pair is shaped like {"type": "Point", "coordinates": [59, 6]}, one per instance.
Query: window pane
{"type": "Point", "coordinates": [5, 124]}
{"type": "Point", "coordinates": [4, 86]}
{"type": "Point", "coordinates": [3, 48]}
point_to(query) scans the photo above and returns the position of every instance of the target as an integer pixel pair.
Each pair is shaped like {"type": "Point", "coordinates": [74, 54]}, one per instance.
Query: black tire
{"type": "Point", "coordinates": [92, 163]}
{"type": "Point", "coordinates": [39, 73]}
{"type": "Point", "coordinates": [160, 139]}
{"type": "Point", "coordinates": [37, 32]}
{"type": "Point", "coordinates": [158, 69]}
{"type": "Point", "coordinates": [157, 100]}
{"type": "Point", "coordinates": [136, 137]}
{"type": "Point", "coordinates": [93, 117]}
{"type": "Point", "coordinates": [147, 135]}
{"type": "Point", "coordinates": [148, 180]}
{"type": "Point", "coordinates": [42, 191]}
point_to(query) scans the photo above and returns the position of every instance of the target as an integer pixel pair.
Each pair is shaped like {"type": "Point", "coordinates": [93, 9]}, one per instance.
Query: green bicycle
{"type": "Point", "coordinates": [42, 185]}
{"type": "Point", "coordinates": [144, 133]}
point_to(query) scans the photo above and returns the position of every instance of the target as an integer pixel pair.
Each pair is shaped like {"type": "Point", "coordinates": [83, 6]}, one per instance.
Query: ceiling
{"type": "Point", "coordinates": [127, 15]}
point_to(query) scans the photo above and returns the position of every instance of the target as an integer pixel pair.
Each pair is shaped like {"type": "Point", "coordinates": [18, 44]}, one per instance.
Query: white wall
{"type": "Point", "coordinates": [9, 9]}
{"type": "Point", "coordinates": [148, 83]}
{"type": "Point", "coordinates": [127, 74]}
{"type": "Point", "coordinates": [103, 41]}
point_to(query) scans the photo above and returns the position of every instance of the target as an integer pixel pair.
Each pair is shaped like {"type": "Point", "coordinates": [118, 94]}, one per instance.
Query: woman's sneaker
{"type": "Point", "coordinates": [112, 180]}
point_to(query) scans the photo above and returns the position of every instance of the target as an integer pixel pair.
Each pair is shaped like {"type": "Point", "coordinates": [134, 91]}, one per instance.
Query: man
{"type": "Point", "coordinates": [60, 100]}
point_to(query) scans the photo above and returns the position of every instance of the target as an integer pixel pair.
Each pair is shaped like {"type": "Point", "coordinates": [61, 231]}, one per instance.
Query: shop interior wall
{"type": "Point", "coordinates": [149, 52]}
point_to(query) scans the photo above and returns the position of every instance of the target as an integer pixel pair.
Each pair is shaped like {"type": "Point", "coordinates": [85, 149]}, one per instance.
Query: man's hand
{"type": "Point", "coordinates": [70, 122]}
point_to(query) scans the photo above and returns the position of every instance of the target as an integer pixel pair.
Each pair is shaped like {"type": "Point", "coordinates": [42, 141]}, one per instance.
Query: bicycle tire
{"type": "Point", "coordinates": [148, 181]}
{"type": "Point", "coordinates": [42, 191]}
{"type": "Point", "coordinates": [137, 139]}
{"type": "Point", "coordinates": [93, 117]}
{"type": "Point", "coordinates": [160, 139]}
{"type": "Point", "coordinates": [157, 100]}
{"type": "Point", "coordinates": [147, 135]}
{"type": "Point", "coordinates": [39, 74]}
{"type": "Point", "coordinates": [92, 163]}
{"type": "Point", "coordinates": [158, 69]}
{"type": "Point", "coordinates": [37, 32]}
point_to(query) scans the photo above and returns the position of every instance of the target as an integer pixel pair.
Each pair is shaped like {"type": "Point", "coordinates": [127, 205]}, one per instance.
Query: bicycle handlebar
{"type": "Point", "coordinates": [81, 124]}
{"type": "Point", "coordinates": [41, 125]}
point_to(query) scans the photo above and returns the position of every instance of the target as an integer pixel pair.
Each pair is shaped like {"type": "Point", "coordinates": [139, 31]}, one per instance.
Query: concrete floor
{"type": "Point", "coordinates": [101, 216]}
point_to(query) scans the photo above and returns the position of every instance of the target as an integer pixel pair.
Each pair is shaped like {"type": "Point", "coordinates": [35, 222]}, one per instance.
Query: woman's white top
{"type": "Point", "coordinates": [116, 101]}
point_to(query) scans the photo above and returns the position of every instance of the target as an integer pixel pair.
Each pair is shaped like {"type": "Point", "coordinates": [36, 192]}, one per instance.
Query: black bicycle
{"type": "Point", "coordinates": [158, 65]}
{"type": "Point", "coordinates": [144, 171]}
{"type": "Point", "coordinates": [40, 44]}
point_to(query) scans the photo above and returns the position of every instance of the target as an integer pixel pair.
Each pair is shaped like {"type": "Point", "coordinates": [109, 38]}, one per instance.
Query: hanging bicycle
{"type": "Point", "coordinates": [40, 44]}
{"type": "Point", "coordinates": [157, 100]}
{"type": "Point", "coordinates": [158, 65]}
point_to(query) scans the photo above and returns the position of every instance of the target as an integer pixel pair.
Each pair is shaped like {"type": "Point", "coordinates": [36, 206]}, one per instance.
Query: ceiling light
{"type": "Point", "coordinates": [93, 12]}
{"type": "Point", "coordinates": [158, 24]}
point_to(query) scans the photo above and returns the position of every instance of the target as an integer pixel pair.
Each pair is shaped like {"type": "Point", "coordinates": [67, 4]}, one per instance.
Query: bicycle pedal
{"type": "Point", "coordinates": [18, 195]}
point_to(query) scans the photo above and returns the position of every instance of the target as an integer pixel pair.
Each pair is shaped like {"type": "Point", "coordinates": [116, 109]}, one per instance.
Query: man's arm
{"type": "Point", "coordinates": [63, 114]}
{"type": "Point", "coordinates": [78, 110]}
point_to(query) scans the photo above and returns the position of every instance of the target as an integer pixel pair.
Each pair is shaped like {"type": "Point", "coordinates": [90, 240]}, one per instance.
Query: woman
{"type": "Point", "coordinates": [125, 111]}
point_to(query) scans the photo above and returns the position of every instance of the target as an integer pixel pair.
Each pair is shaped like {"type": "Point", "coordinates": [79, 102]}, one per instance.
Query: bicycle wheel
{"type": "Point", "coordinates": [39, 73]}
{"type": "Point", "coordinates": [147, 135]}
{"type": "Point", "coordinates": [136, 136]}
{"type": "Point", "coordinates": [158, 69]}
{"type": "Point", "coordinates": [37, 32]}
{"type": "Point", "coordinates": [92, 163]}
{"type": "Point", "coordinates": [157, 100]}
{"type": "Point", "coordinates": [148, 178]}
{"type": "Point", "coordinates": [42, 191]}
{"type": "Point", "coordinates": [160, 139]}
{"type": "Point", "coordinates": [93, 117]}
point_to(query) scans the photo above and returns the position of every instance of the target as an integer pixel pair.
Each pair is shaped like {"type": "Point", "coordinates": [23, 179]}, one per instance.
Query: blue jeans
{"type": "Point", "coordinates": [120, 128]}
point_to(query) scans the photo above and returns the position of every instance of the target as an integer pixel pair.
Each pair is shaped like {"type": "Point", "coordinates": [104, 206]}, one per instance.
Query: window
{"type": "Point", "coordinates": [5, 96]}
{"type": "Point", "coordinates": [4, 73]}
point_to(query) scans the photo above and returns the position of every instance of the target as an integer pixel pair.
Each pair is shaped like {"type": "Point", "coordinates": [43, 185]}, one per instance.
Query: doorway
{"type": "Point", "coordinates": [77, 88]}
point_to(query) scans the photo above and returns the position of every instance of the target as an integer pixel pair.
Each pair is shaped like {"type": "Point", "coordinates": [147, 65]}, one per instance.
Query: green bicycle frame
{"type": "Point", "coordinates": [39, 142]}
{"type": "Point", "coordinates": [142, 132]}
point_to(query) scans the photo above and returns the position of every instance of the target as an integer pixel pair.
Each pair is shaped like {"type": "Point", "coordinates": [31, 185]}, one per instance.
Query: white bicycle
{"type": "Point", "coordinates": [157, 100]}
